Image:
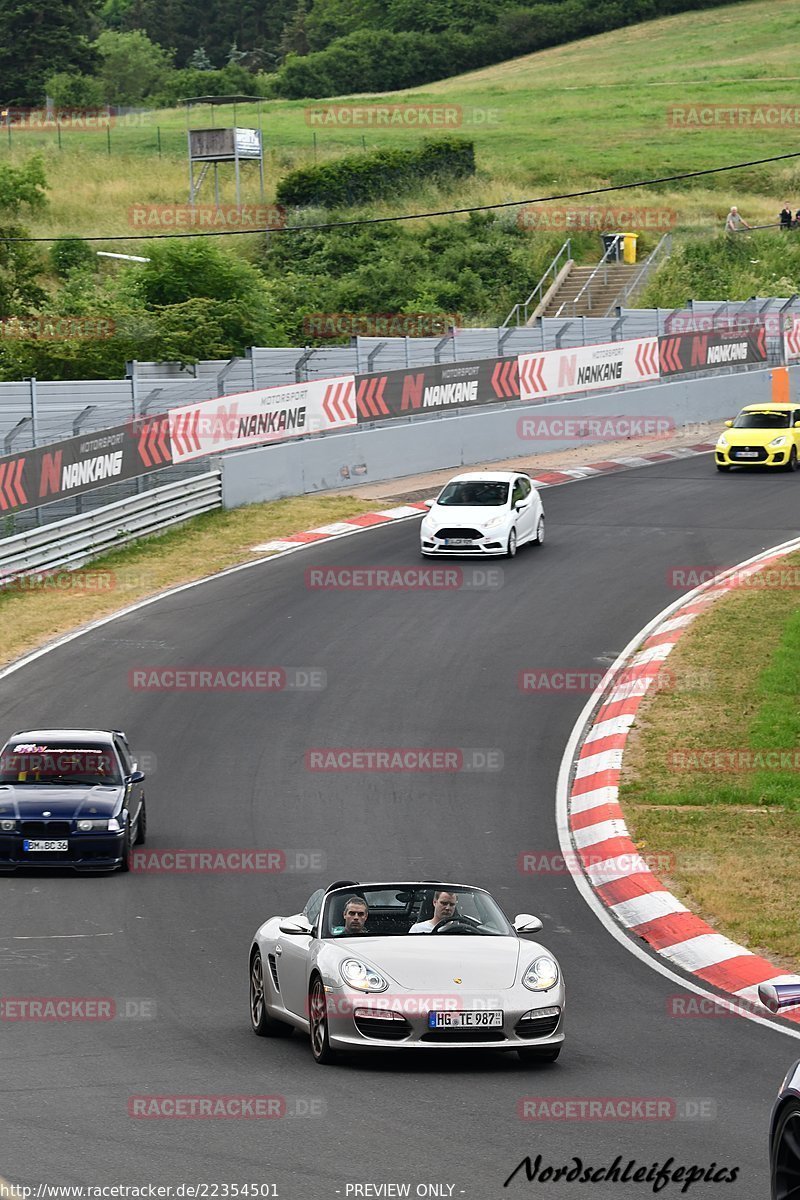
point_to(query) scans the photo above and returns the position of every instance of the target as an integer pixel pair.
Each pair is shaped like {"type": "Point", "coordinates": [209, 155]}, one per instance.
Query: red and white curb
{"type": "Point", "coordinates": [591, 821]}
{"type": "Point", "coordinates": [338, 528]}
{"type": "Point", "coordinates": [293, 541]}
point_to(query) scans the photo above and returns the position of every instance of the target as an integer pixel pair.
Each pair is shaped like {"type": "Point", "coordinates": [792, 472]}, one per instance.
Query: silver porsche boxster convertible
{"type": "Point", "coordinates": [422, 966]}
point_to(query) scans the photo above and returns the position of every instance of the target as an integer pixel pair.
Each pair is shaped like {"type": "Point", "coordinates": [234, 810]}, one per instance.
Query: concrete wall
{"type": "Point", "coordinates": [400, 448]}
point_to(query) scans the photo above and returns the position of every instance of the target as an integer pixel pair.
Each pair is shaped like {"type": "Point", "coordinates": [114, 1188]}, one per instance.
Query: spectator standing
{"type": "Point", "coordinates": [785, 216]}
{"type": "Point", "coordinates": [735, 221]}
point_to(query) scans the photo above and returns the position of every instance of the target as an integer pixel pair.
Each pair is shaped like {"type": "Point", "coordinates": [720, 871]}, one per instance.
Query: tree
{"type": "Point", "coordinates": [131, 66]}
{"type": "Point", "coordinates": [200, 60]}
{"type": "Point", "coordinates": [294, 38]}
{"type": "Point", "coordinates": [40, 39]}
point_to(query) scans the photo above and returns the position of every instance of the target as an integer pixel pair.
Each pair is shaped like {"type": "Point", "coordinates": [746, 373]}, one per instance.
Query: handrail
{"type": "Point", "coordinates": [613, 247]}
{"type": "Point", "coordinates": [553, 270]}
{"type": "Point", "coordinates": [664, 247]}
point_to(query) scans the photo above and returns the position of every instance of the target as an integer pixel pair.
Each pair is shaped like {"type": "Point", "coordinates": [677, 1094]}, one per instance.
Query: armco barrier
{"type": "Point", "coordinates": [77, 540]}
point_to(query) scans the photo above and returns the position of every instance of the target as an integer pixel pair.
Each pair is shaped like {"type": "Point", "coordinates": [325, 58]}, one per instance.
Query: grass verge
{"type": "Point", "coordinates": [203, 546]}
{"type": "Point", "coordinates": [731, 820]}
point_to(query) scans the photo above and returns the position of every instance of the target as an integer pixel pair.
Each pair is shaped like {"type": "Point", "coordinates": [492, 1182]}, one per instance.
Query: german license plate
{"type": "Point", "coordinates": [458, 541]}
{"type": "Point", "coordinates": [45, 846]}
{"type": "Point", "coordinates": [480, 1019]}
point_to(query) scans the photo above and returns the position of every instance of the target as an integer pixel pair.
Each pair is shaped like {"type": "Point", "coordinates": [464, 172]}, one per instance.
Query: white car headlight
{"type": "Point", "coordinates": [778, 441]}
{"type": "Point", "coordinates": [360, 976]}
{"type": "Point", "coordinates": [542, 974]}
{"type": "Point", "coordinates": [494, 522]}
{"type": "Point", "coordinates": [114, 825]}
{"type": "Point", "coordinates": [722, 441]}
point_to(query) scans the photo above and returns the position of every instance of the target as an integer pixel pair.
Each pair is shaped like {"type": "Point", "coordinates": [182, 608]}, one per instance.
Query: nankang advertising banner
{"type": "Point", "coordinates": [255, 418]}
{"type": "Point", "coordinates": [587, 368]}
{"type": "Point", "coordinates": [685, 352]}
{"type": "Point", "coordinates": [59, 470]}
{"type": "Point", "coordinates": [435, 388]}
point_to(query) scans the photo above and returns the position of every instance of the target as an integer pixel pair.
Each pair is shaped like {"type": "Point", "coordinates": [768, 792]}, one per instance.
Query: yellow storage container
{"type": "Point", "coordinates": [629, 247]}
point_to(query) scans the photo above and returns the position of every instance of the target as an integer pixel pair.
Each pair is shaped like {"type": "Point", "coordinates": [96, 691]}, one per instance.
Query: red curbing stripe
{"type": "Point", "coordinates": [600, 779]}
{"type": "Point", "coordinates": [664, 456]}
{"type": "Point", "coordinates": [367, 519]}
{"type": "Point", "coordinates": [663, 639]}
{"type": "Point", "coordinates": [607, 465]}
{"type": "Point", "coordinates": [304, 537]}
{"type": "Point", "coordinates": [618, 708]}
{"type": "Point", "coordinates": [614, 741]}
{"type": "Point", "coordinates": [615, 847]}
{"type": "Point", "coordinates": [628, 887]}
{"type": "Point", "coordinates": [552, 477]}
{"type": "Point", "coordinates": [592, 816]}
{"type": "Point", "coordinates": [737, 973]}
{"type": "Point", "coordinates": [675, 927]}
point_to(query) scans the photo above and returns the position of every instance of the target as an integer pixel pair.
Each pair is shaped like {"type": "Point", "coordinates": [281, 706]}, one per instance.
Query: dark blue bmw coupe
{"type": "Point", "coordinates": [70, 798]}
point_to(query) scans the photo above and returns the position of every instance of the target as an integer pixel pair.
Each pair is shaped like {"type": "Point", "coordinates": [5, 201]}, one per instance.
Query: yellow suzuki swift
{"type": "Point", "coordinates": [763, 435]}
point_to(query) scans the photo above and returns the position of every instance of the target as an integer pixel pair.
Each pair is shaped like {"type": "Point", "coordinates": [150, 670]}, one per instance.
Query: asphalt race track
{"type": "Point", "coordinates": [404, 669]}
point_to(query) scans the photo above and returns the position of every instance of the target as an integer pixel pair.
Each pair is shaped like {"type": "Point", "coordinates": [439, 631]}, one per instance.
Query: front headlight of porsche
{"type": "Point", "coordinates": [542, 974]}
{"type": "Point", "coordinates": [778, 441]}
{"type": "Point", "coordinates": [722, 441]}
{"type": "Point", "coordinates": [358, 975]}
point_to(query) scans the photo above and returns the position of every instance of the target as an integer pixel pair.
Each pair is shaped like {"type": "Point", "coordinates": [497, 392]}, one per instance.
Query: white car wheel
{"type": "Point", "coordinates": [539, 537]}
{"type": "Point", "coordinates": [511, 549]}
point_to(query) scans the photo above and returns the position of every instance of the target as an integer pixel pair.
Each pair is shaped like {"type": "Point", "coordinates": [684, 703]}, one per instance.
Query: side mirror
{"type": "Point", "coordinates": [296, 926]}
{"type": "Point", "coordinates": [728, 424]}
{"type": "Point", "coordinates": [797, 424]}
{"type": "Point", "coordinates": [527, 923]}
{"type": "Point", "coordinates": [136, 777]}
{"type": "Point", "coordinates": [429, 503]}
{"type": "Point", "coordinates": [776, 996]}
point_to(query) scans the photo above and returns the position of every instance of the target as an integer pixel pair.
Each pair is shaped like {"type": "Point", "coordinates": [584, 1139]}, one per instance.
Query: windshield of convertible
{"type": "Point", "coordinates": [475, 493]}
{"type": "Point", "coordinates": [400, 909]}
{"type": "Point", "coordinates": [762, 420]}
{"type": "Point", "coordinates": [59, 763]}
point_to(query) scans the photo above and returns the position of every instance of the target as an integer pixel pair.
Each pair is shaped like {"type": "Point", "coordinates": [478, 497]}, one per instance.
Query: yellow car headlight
{"type": "Point", "coordinates": [722, 442]}
{"type": "Point", "coordinates": [778, 441]}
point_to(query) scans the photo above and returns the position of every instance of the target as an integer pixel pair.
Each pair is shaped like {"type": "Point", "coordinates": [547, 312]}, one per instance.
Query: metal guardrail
{"type": "Point", "coordinates": [662, 250]}
{"type": "Point", "coordinates": [76, 540]}
{"type": "Point", "coordinates": [566, 253]}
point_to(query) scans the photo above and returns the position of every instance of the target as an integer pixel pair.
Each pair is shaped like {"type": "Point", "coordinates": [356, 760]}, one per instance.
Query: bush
{"type": "Point", "coordinates": [356, 179]}
{"type": "Point", "coordinates": [68, 255]}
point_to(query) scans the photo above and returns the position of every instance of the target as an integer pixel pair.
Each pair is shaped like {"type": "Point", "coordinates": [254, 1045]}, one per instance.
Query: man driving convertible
{"type": "Point", "coordinates": [444, 907]}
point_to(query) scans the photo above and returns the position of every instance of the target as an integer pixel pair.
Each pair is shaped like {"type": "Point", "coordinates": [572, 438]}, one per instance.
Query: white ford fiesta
{"type": "Point", "coordinates": [483, 512]}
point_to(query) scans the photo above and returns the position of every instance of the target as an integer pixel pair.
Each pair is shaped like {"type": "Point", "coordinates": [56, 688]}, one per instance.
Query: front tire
{"type": "Point", "coordinates": [263, 1025]}
{"type": "Point", "coordinates": [530, 1055]}
{"type": "Point", "coordinates": [318, 1022]}
{"type": "Point", "coordinates": [723, 467]}
{"type": "Point", "coordinates": [792, 463]}
{"type": "Point", "coordinates": [538, 539]}
{"type": "Point", "coordinates": [141, 828]}
{"type": "Point", "coordinates": [511, 548]}
{"type": "Point", "coordinates": [785, 1155]}
{"type": "Point", "coordinates": [127, 849]}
